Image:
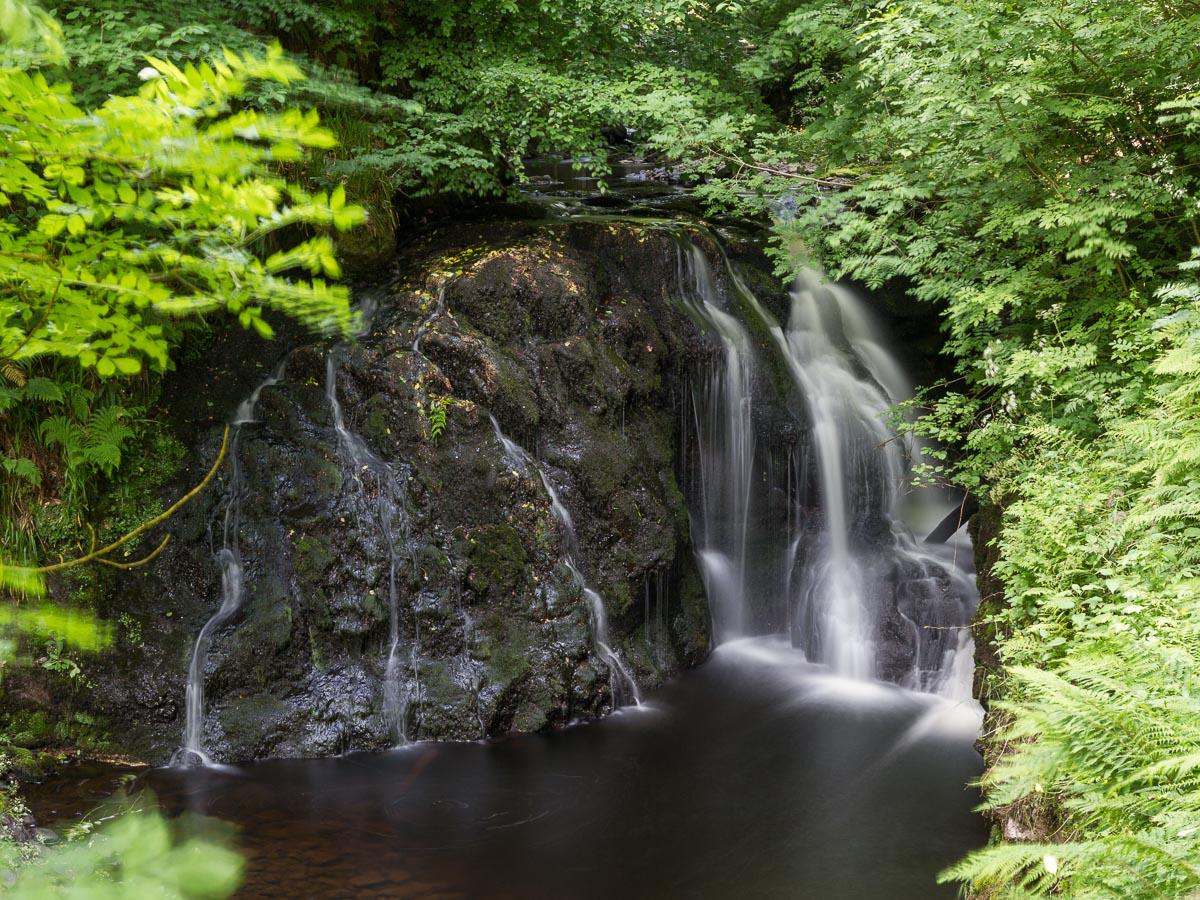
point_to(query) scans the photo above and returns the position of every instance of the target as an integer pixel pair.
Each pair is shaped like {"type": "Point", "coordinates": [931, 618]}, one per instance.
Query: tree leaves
{"type": "Point", "coordinates": [148, 208]}
{"type": "Point", "coordinates": [117, 221]}
{"type": "Point", "coordinates": [30, 35]}
{"type": "Point", "coordinates": [1031, 169]}
{"type": "Point", "coordinates": [134, 854]}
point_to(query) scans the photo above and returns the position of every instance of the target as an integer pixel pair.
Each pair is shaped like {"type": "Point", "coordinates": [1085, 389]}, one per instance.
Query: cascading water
{"type": "Point", "coordinates": [518, 459]}
{"type": "Point", "coordinates": [816, 536]}
{"type": "Point", "coordinates": [390, 513]}
{"type": "Point", "coordinates": [229, 557]}
{"type": "Point", "coordinates": [803, 525]}
{"type": "Point", "coordinates": [722, 407]}
{"type": "Point", "coordinates": [388, 510]}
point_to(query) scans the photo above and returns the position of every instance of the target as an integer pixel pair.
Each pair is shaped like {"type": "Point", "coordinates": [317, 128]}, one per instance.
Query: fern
{"type": "Point", "coordinates": [13, 374]}
{"type": "Point", "coordinates": [104, 436]}
{"type": "Point", "coordinates": [437, 417]}
{"type": "Point", "coordinates": [1118, 738]}
{"type": "Point", "coordinates": [89, 445]}
{"type": "Point", "coordinates": [43, 390]}
{"type": "Point", "coordinates": [62, 432]}
{"type": "Point", "coordinates": [1020, 870]}
{"type": "Point", "coordinates": [23, 468]}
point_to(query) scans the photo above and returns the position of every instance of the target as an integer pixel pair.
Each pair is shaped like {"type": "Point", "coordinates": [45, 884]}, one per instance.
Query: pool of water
{"type": "Point", "coordinates": [756, 775]}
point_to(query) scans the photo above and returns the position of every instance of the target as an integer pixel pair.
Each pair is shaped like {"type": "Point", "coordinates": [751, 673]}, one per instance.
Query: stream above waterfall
{"type": "Point", "coordinates": [755, 775]}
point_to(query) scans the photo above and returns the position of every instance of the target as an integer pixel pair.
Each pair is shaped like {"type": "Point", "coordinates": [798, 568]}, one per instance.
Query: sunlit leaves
{"type": "Point", "coordinates": [28, 35]}
{"type": "Point", "coordinates": [78, 629]}
{"type": "Point", "coordinates": [153, 206]}
{"type": "Point", "coordinates": [115, 221]}
{"type": "Point", "coordinates": [131, 855]}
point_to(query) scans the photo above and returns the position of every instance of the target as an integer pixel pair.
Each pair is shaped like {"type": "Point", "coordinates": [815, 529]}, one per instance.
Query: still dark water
{"type": "Point", "coordinates": [754, 776]}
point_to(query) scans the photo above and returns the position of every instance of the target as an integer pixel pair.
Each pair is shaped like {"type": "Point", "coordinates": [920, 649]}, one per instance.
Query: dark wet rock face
{"type": "Point", "coordinates": [568, 334]}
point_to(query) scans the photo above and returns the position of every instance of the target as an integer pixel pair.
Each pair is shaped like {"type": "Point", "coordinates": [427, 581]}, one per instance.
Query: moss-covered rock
{"type": "Point", "coordinates": [370, 246]}
{"type": "Point", "coordinates": [497, 560]}
{"type": "Point", "coordinates": [984, 528]}
{"type": "Point", "coordinates": [419, 585]}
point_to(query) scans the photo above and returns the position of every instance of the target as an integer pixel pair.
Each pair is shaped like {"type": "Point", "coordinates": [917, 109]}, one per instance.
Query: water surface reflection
{"type": "Point", "coordinates": [753, 776]}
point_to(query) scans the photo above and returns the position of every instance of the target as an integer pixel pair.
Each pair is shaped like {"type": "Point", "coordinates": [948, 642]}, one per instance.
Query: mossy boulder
{"type": "Point", "coordinates": [410, 576]}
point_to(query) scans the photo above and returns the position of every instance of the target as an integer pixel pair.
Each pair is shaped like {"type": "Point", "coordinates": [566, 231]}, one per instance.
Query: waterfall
{"type": "Point", "coordinates": [861, 473]}
{"type": "Point", "coordinates": [518, 459]}
{"type": "Point", "coordinates": [815, 536]}
{"type": "Point", "coordinates": [722, 405]}
{"type": "Point", "coordinates": [377, 486]}
{"type": "Point", "coordinates": [229, 558]}
{"type": "Point", "coordinates": [390, 513]}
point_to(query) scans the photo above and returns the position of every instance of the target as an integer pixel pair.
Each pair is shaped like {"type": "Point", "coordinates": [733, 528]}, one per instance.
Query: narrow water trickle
{"type": "Point", "coordinates": [438, 308]}
{"type": "Point", "coordinates": [624, 686]}
{"type": "Point", "coordinates": [229, 558]}
{"type": "Point", "coordinates": [383, 495]}
{"type": "Point", "coordinates": [389, 510]}
{"type": "Point", "coordinates": [655, 600]}
{"type": "Point", "coordinates": [816, 536]}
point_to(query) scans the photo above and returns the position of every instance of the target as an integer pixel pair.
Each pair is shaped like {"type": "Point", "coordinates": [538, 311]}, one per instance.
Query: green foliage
{"type": "Point", "coordinates": [437, 417]}
{"type": "Point", "coordinates": [30, 35]}
{"type": "Point", "coordinates": [1115, 736]}
{"type": "Point", "coordinates": [89, 444]}
{"type": "Point", "coordinates": [65, 626]}
{"type": "Point", "coordinates": [57, 436]}
{"type": "Point", "coordinates": [1031, 169]}
{"type": "Point", "coordinates": [107, 41]}
{"type": "Point", "coordinates": [134, 854]}
{"type": "Point", "coordinates": [155, 206]}
{"type": "Point", "coordinates": [1100, 557]}
{"type": "Point", "coordinates": [497, 81]}
{"type": "Point", "coordinates": [447, 96]}
{"type": "Point", "coordinates": [152, 208]}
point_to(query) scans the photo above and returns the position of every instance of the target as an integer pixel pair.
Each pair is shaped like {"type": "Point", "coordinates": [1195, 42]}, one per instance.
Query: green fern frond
{"type": "Point", "coordinates": [25, 469]}
{"type": "Point", "coordinates": [45, 390]}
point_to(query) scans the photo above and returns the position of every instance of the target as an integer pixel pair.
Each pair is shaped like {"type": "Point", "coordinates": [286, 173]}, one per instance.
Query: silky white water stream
{"type": "Point", "coordinates": [841, 558]}
{"type": "Point", "coordinates": [229, 558]}
{"type": "Point", "coordinates": [624, 685]}
{"type": "Point", "coordinates": [389, 510]}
